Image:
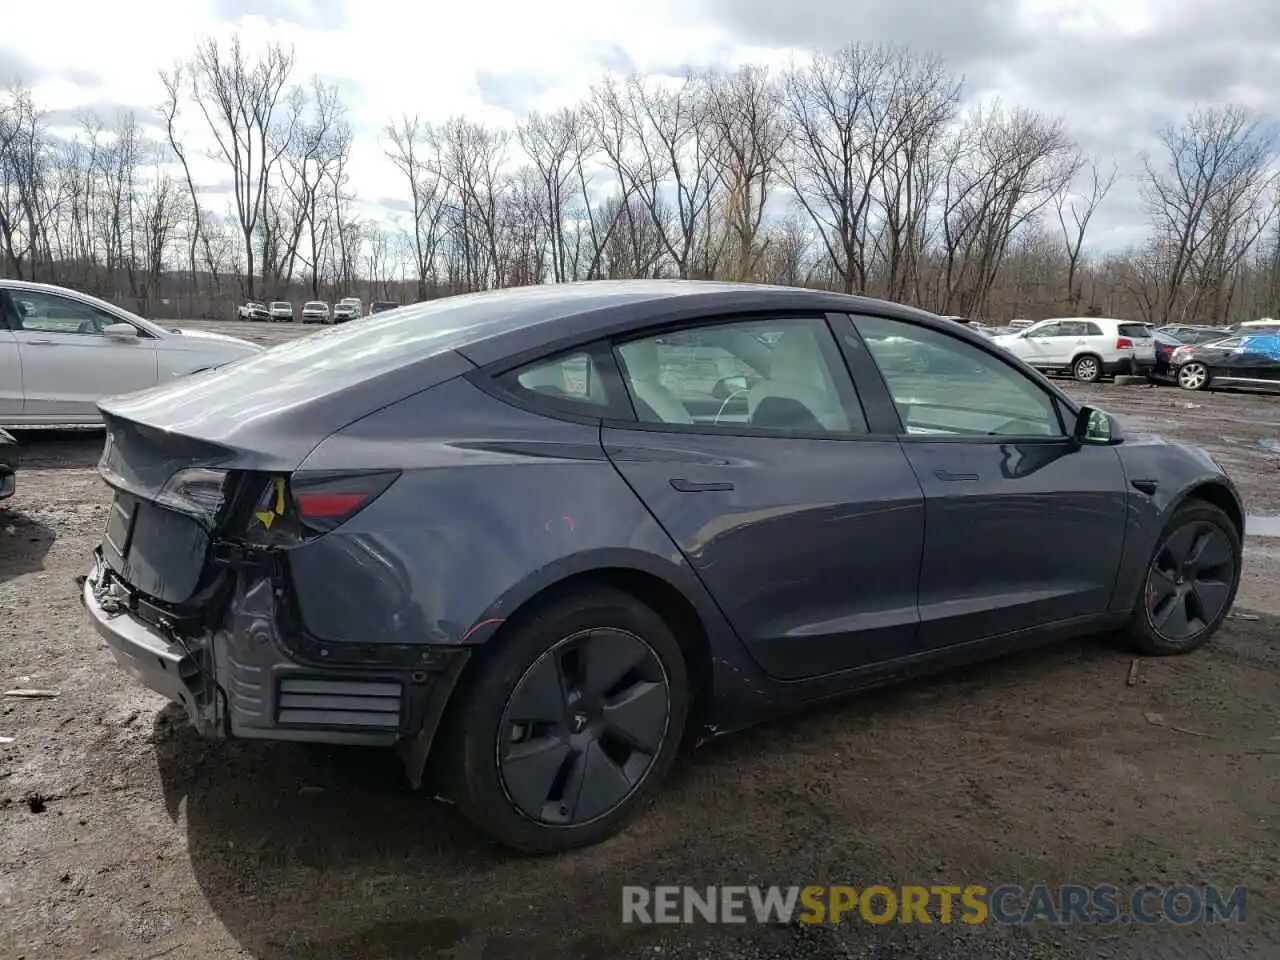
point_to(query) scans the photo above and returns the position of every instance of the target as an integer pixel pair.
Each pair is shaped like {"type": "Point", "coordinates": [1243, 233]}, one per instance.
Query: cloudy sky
{"type": "Point", "coordinates": [1115, 69]}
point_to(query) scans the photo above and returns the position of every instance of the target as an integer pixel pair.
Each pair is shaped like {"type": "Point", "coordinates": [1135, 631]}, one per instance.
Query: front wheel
{"type": "Point", "coordinates": [1086, 369]}
{"type": "Point", "coordinates": [1190, 584]}
{"type": "Point", "coordinates": [1193, 376]}
{"type": "Point", "coordinates": [571, 724]}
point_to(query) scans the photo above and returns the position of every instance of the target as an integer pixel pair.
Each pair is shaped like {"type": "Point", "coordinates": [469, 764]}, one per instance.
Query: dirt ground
{"type": "Point", "coordinates": [124, 836]}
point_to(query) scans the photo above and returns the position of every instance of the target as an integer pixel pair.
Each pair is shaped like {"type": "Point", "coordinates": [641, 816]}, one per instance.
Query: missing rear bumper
{"type": "Point", "coordinates": [239, 680]}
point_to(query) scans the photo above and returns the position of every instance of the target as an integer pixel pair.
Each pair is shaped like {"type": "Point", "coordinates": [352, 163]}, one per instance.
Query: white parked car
{"type": "Point", "coordinates": [1087, 347]}
{"type": "Point", "coordinates": [62, 351]}
{"type": "Point", "coordinates": [252, 311]}
{"type": "Point", "coordinates": [281, 311]}
{"type": "Point", "coordinates": [315, 311]}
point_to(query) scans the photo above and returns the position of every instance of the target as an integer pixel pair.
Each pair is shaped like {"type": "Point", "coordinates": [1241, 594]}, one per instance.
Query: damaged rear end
{"type": "Point", "coordinates": [191, 587]}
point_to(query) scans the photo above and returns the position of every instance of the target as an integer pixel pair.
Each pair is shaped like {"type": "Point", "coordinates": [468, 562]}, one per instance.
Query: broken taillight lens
{"type": "Point", "coordinates": [197, 491]}
{"type": "Point", "coordinates": [323, 500]}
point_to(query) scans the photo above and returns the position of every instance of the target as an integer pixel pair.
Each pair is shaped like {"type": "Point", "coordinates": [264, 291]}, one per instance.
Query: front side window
{"type": "Point", "coordinates": [768, 375]}
{"type": "Point", "coordinates": [944, 386]}
{"type": "Point", "coordinates": [572, 378]}
{"type": "Point", "coordinates": [48, 313]}
{"type": "Point", "coordinates": [1047, 330]}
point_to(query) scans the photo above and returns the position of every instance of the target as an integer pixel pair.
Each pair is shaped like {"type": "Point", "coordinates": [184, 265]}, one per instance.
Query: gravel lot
{"type": "Point", "coordinates": [123, 836]}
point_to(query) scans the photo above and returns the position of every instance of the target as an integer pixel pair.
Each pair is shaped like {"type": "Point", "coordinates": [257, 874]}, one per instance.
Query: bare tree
{"type": "Point", "coordinates": [174, 81]}
{"type": "Point", "coordinates": [1075, 210]}
{"type": "Point", "coordinates": [1211, 195]}
{"type": "Point", "coordinates": [411, 153]}
{"type": "Point", "coordinates": [745, 112]}
{"type": "Point", "coordinates": [240, 102]}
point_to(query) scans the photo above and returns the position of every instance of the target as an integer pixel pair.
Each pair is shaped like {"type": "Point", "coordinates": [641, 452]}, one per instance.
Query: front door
{"type": "Point", "coordinates": [805, 530]}
{"type": "Point", "coordinates": [1044, 345]}
{"type": "Point", "coordinates": [1024, 526]}
{"type": "Point", "coordinates": [68, 363]}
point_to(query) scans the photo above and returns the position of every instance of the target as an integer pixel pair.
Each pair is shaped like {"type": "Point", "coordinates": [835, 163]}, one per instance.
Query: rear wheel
{"type": "Point", "coordinates": [1190, 584]}
{"type": "Point", "coordinates": [1087, 369]}
{"type": "Point", "coordinates": [1193, 376]}
{"type": "Point", "coordinates": [571, 725]}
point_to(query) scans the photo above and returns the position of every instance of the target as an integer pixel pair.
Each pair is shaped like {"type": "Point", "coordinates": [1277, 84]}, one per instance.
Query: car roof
{"type": "Point", "coordinates": [518, 324]}
{"type": "Point", "coordinates": [515, 322]}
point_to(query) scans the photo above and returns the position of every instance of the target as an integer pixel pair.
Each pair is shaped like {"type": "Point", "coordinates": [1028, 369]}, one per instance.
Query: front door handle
{"type": "Point", "coordinates": [701, 486]}
{"type": "Point", "coordinates": [952, 477]}
{"type": "Point", "coordinates": [40, 343]}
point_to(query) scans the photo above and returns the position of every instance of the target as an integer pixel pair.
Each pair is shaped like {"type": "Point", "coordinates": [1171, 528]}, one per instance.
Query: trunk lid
{"type": "Point", "coordinates": [220, 435]}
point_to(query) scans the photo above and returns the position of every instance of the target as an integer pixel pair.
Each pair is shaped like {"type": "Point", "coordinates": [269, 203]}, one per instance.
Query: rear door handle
{"type": "Point", "coordinates": [41, 343]}
{"type": "Point", "coordinates": [949, 476]}
{"type": "Point", "coordinates": [701, 486]}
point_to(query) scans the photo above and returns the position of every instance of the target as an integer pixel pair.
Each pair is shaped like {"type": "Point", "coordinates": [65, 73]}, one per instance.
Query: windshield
{"type": "Point", "coordinates": [316, 305]}
{"type": "Point", "coordinates": [280, 304]}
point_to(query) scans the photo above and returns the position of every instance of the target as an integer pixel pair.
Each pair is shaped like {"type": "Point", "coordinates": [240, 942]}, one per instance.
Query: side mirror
{"type": "Point", "coordinates": [120, 331]}
{"type": "Point", "coordinates": [1097, 428]}
{"type": "Point", "coordinates": [726, 388]}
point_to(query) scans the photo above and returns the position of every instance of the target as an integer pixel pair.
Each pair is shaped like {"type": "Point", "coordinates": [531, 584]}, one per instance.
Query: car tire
{"type": "Point", "coordinates": [516, 796]}
{"type": "Point", "coordinates": [1169, 583]}
{"type": "Point", "coordinates": [1193, 376]}
{"type": "Point", "coordinates": [1087, 368]}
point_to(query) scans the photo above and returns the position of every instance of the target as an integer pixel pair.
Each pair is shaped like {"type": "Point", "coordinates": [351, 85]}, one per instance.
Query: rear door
{"type": "Point", "coordinates": [805, 528]}
{"type": "Point", "coordinates": [1023, 526]}
{"type": "Point", "coordinates": [69, 364]}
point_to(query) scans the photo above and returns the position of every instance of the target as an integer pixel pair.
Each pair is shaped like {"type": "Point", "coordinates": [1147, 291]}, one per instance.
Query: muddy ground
{"type": "Point", "coordinates": [123, 836]}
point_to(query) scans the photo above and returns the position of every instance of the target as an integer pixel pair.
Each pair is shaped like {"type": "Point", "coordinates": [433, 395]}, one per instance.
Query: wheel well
{"type": "Point", "coordinates": [1086, 353]}
{"type": "Point", "coordinates": [1219, 496]}
{"type": "Point", "coordinates": [660, 596]}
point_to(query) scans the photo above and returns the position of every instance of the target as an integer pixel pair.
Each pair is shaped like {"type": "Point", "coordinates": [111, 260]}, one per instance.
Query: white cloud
{"type": "Point", "coordinates": [1113, 68]}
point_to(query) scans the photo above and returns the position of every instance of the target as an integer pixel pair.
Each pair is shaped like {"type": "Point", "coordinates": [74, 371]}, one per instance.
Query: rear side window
{"type": "Point", "coordinates": [1134, 331]}
{"type": "Point", "coordinates": [572, 379]}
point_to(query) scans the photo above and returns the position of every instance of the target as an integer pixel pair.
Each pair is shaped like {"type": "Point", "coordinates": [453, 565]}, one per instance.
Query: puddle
{"type": "Point", "coordinates": [1260, 526]}
{"type": "Point", "coordinates": [1270, 445]}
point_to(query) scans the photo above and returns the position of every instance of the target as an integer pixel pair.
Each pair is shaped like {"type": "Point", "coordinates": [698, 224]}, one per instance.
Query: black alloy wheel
{"type": "Point", "coordinates": [583, 727]}
{"type": "Point", "coordinates": [568, 723]}
{"type": "Point", "coordinates": [1190, 583]}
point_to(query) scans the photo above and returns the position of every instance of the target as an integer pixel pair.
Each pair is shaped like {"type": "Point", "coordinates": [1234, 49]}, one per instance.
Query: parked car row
{"type": "Point", "coordinates": [313, 311]}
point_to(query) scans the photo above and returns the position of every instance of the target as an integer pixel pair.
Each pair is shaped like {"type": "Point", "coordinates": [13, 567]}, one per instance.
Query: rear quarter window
{"type": "Point", "coordinates": [1139, 331]}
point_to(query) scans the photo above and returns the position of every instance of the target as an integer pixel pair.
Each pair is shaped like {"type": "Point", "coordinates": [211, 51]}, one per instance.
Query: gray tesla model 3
{"type": "Point", "coordinates": [538, 538]}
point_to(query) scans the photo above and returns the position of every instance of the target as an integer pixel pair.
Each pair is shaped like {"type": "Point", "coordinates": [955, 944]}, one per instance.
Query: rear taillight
{"type": "Point", "coordinates": [197, 491]}
{"type": "Point", "coordinates": [1180, 354]}
{"type": "Point", "coordinates": [1124, 343]}
{"type": "Point", "coordinates": [323, 500]}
